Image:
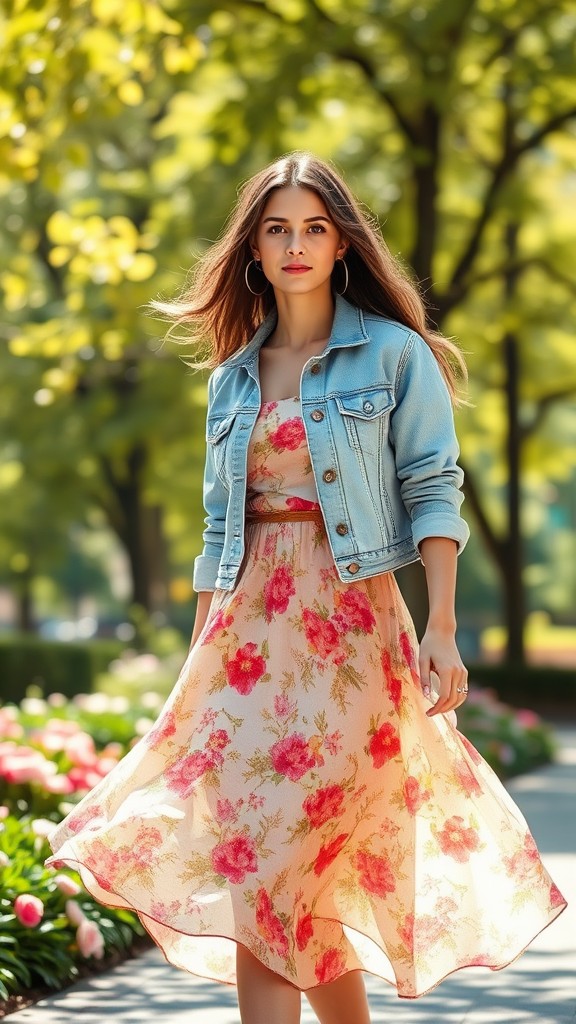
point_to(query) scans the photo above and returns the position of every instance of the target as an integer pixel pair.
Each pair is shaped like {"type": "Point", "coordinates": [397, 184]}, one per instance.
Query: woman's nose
{"type": "Point", "coordinates": [295, 247]}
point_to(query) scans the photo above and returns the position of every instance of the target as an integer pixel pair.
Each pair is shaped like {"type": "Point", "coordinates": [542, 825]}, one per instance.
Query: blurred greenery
{"type": "Point", "coordinates": [126, 130]}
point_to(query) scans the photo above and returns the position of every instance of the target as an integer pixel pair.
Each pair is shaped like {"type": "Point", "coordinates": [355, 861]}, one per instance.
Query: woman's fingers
{"type": "Point", "coordinates": [453, 687]}
{"type": "Point", "coordinates": [425, 683]}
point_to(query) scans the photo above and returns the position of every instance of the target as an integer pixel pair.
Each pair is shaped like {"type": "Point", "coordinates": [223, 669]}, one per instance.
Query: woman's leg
{"type": "Point", "coordinates": [263, 996]}
{"type": "Point", "coordinates": [341, 1001]}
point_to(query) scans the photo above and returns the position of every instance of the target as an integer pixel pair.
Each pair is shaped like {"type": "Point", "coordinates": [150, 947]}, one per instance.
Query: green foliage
{"type": "Point", "coordinates": [51, 665]}
{"type": "Point", "coordinates": [46, 954]}
{"type": "Point", "coordinates": [511, 741]}
{"type": "Point", "coordinates": [127, 129]}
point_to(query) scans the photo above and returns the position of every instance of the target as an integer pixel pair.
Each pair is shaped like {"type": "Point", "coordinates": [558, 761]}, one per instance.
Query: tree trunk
{"type": "Point", "coordinates": [24, 607]}
{"type": "Point", "coordinates": [425, 178]}
{"type": "Point", "coordinates": [139, 529]}
{"type": "Point", "coordinates": [514, 598]}
{"type": "Point", "coordinates": [412, 578]}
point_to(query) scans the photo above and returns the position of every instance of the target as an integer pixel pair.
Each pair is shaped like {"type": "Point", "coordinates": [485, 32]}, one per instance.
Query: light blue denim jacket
{"type": "Point", "coordinates": [380, 431]}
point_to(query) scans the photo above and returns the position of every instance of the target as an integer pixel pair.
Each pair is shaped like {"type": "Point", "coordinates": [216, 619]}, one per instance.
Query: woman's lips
{"type": "Point", "coordinates": [296, 269]}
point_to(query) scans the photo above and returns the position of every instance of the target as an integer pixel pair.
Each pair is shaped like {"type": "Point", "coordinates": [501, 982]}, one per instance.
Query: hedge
{"type": "Point", "coordinates": [52, 665]}
{"type": "Point", "coordinates": [539, 686]}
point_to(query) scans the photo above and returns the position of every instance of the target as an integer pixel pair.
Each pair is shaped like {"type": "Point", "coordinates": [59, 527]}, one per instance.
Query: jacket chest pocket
{"type": "Point", "coordinates": [218, 433]}
{"type": "Point", "coordinates": [365, 418]}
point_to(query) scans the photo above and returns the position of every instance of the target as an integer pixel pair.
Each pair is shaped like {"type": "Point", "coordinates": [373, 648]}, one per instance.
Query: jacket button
{"type": "Point", "coordinates": [368, 407]}
{"type": "Point", "coordinates": [317, 415]}
{"type": "Point", "coordinates": [315, 368]}
{"type": "Point", "coordinates": [329, 476]}
{"type": "Point", "coordinates": [353, 567]}
{"type": "Point", "coordinates": [342, 529]}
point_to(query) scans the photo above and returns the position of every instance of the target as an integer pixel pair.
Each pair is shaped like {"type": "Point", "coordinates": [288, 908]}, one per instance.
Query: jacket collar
{"type": "Point", "coordinates": [348, 329]}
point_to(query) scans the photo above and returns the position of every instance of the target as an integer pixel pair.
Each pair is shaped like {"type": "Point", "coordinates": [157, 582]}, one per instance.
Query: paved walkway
{"type": "Point", "coordinates": [540, 988]}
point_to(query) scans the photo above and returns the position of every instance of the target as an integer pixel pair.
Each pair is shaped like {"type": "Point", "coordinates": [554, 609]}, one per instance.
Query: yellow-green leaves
{"type": "Point", "coordinates": [99, 250]}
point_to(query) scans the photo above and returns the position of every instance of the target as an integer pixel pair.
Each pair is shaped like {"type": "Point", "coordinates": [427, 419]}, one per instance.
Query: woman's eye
{"type": "Point", "coordinates": [276, 229]}
{"type": "Point", "coordinates": [318, 229]}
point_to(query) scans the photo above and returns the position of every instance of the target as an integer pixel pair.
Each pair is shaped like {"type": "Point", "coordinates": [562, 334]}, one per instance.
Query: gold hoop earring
{"type": "Point", "coordinates": [248, 265]}
{"type": "Point", "coordinates": [341, 260]}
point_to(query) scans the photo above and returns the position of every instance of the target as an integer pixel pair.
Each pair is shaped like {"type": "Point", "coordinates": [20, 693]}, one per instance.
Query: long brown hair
{"type": "Point", "coordinates": [218, 305]}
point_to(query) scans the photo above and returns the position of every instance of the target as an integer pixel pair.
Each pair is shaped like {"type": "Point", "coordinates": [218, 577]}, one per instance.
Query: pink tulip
{"type": "Point", "coordinates": [51, 742]}
{"type": "Point", "coordinates": [4, 859]}
{"type": "Point", "coordinates": [114, 750]}
{"type": "Point", "coordinates": [8, 715]}
{"type": "Point", "coordinates": [4, 811]}
{"type": "Point", "coordinates": [83, 779]}
{"type": "Point", "coordinates": [62, 726]}
{"type": "Point", "coordinates": [59, 784]}
{"type": "Point", "coordinates": [8, 747]}
{"type": "Point", "coordinates": [73, 912]}
{"type": "Point", "coordinates": [21, 768]}
{"type": "Point", "coordinates": [90, 939]}
{"type": "Point", "coordinates": [56, 700]}
{"type": "Point", "coordinates": [527, 718]}
{"type": "Point", "coordinates": [29, 910]}
{"type": "Point", "coordinates": [81, 751]}
{"type": "Point", "coordinates": [9, 725]}
{"type": "Point", "coordinates": [67, 885]}
{"type": "Point", "coordinates": [42, 827]}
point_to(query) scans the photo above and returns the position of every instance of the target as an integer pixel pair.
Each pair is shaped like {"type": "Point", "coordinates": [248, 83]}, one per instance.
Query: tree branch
{"type": "Point", "coordinates": [517, 267]}
{"type": "Point", "coordinates": [550, 126]}
{"type": "Point", "coordinates": [495, 544]}
{"type": "Point", "coordinates": [511, 154]}
{"type": "Point", "coordinates": [354, 57]}
{"type": "Point", "coordinates": [543, 404]}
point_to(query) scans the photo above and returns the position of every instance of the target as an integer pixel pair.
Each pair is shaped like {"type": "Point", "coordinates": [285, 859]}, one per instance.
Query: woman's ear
{"type": "Point", "coordinates": [342, 249]}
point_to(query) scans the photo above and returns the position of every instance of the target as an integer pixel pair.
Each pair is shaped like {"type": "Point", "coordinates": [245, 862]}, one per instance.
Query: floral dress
{"type": "Point", "coordinates": [294, 797]}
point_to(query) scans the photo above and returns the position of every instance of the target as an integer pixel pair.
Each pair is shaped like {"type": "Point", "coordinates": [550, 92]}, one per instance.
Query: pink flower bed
{"type": "Point", "coordinates": [59, 758]}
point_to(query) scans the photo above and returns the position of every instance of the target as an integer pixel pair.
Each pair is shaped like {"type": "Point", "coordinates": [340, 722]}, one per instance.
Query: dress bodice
{"type": "Point", "coordinates": [279, 469]}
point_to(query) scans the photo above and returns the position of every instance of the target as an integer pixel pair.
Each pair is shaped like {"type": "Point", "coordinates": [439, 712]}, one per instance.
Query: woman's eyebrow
{"type": "Point", "coordinates": [307, 220]}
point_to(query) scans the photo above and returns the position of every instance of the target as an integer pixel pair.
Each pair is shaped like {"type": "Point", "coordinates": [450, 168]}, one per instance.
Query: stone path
{"type": "Point", "coordinates": [540, 988]}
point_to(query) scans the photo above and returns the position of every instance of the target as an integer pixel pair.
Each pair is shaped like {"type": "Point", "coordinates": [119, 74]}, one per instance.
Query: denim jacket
{"type": "Point", "coordinates": [380, 432]}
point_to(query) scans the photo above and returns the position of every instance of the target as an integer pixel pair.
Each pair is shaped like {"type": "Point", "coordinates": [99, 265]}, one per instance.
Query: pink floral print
{"type": "Point", "coordinates": [384, 744]}
{"type": "Point", "coordinates": [235, 858]}
{"type": "Point", "coordinates": [326, 803]}
{"type": "Point", "coordinates": [292, 756]}
{"type": "Point", "coordinates": [294, 796]}
{"type": "Point", "coordinates": [375, 873]}
{"type": "Point", "coordinates": [245, 669]}
{"type": "Point", "coordinates": [457, 840]}
{"type": "Point", "coordinates": [278, 590]}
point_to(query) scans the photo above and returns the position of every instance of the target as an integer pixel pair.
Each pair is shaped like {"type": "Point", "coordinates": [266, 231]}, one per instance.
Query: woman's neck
{"type": "Point", "coordinates": [303, 319]}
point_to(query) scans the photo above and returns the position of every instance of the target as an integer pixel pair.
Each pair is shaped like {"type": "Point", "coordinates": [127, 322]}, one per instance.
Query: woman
{"type": "Point", "coordinates": [304, 808]}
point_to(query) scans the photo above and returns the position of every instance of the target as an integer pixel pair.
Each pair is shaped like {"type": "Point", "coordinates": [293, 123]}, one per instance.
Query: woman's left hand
{"type": "Point", "coordinates": [439, 653]}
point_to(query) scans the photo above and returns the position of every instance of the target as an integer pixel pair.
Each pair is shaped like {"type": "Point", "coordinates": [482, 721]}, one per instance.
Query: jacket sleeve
{"type": "Point", "coordinates": [215, 499]}
{"type": "Point", "coordinates": [426, 447]}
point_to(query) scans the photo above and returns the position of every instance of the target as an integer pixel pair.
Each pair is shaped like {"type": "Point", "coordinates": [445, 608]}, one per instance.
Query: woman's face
{"type": "Point", "coordinates": [296, 241]}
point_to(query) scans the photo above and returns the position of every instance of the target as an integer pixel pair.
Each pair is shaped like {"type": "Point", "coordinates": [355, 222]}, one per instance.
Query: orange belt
{"type": "Point", "coordinates": [287, 516]}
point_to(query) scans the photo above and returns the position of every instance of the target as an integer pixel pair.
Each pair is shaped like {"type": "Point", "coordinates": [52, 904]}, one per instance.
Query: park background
{"type": "Point", "coordinates": [126, 130]}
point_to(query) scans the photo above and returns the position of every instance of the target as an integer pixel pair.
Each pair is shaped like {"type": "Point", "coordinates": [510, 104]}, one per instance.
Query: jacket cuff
{"type": "Point", "coordinates": [205, 573]}
{"type": "Point", "coordinates": [441, 524]}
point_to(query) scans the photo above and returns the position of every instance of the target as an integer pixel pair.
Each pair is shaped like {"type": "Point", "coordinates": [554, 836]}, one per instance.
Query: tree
{"type": "Point", "coordinates": [465, 122]}
{"type": "Point", "coordinates": [129, 128]}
